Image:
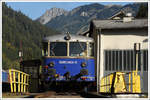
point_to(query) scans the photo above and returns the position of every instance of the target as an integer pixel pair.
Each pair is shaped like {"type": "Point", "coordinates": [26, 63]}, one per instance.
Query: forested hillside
{"type": "Point", "coordinates": [143, 11]}
{"type": "Point", "coordinates": [18, 28]}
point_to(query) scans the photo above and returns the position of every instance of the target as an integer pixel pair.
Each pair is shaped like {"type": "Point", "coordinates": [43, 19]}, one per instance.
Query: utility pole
{"type": "Point", "coordinates": [20, 54]}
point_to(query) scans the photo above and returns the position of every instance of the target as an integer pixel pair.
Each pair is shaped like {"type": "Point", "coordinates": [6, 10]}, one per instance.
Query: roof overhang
{"type": "Point", "coordinates": [119, 24]}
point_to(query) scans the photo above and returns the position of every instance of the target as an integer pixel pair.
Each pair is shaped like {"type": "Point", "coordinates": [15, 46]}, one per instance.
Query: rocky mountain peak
{"type": "Point", "coordinates": [78, 19]}
{"type": "Point", "coordinates": [50, 14]}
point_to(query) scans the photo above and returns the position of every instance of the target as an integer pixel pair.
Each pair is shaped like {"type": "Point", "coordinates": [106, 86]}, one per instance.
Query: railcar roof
{"type": "Point", "coordinates": [61, 38]}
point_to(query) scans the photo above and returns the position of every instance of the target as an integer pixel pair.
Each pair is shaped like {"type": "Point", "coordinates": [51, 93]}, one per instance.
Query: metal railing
{"type": "Point", "coordinates": [121, 82]}
{"type": "Point", "coordinates": [19, 81]}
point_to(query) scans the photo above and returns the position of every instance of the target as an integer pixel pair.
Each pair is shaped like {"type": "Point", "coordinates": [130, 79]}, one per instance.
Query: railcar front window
{"type": "Point", "coordinates": [58, 49]}
{"type": "Point", "coordinates": [78, 49]}
{"type": "Point", "coordinates": [45, 49]}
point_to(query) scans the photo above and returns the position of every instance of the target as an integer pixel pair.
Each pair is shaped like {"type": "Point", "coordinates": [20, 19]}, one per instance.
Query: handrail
{"type": "Point", "coordinates": [20, 79]}
{"type": "Point", "coordinates": [117, 83]}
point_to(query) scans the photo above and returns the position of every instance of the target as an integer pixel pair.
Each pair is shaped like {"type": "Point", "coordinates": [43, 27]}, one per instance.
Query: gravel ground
{"type": "Point", "coordinates": [48, 94]}
{"type": "Point", "coordinates": [52, 94]}
{"type": "Point", "coordinates": [15, 95]}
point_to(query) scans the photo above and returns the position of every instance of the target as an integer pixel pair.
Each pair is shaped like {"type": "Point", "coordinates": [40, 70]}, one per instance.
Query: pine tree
{"type": "Point", "coordinates": [143, 11]}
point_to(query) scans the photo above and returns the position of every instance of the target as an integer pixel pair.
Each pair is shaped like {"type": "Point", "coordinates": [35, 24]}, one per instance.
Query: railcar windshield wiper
{"type": "Point", "coordinates": [51, 49]}
{"type": "Point", "coordinates": [82, 48]}
{"type": "Point", "coordinates": [77, 49]}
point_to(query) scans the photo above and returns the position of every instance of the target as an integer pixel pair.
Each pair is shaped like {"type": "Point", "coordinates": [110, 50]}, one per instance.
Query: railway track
{"type": "Point", "coordinates": [65, 94]}
{"type": "Point", "coordinates": [63, 91]}
{"type": "Point", "coordinates": [53, 94]}
{"type": "Point", "coordinates": [59, 91]}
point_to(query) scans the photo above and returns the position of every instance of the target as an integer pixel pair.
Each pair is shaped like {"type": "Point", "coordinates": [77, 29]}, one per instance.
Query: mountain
{"type": "Point", "coordinates": [78, 19]}
{"type": "Point", "coordinates": [50, 14]}
{"type": "Point", "coordinates": [19, 29]}
{"type": "Point", "coordinates": [75, 19]}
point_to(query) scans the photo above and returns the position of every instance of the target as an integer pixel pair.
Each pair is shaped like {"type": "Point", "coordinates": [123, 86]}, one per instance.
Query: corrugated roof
{"type": "Point", "coordinates": [119, 24]}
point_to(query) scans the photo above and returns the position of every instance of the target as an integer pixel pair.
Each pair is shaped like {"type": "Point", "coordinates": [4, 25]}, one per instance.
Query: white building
{"type": "Point", "coordinates": [114, 47]}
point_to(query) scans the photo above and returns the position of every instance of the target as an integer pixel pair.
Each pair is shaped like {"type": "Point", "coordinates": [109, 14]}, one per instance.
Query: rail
{"type": "Point", "coordinates": [121, 82]}
{"type": "Point", "coordinates": [19, 81]}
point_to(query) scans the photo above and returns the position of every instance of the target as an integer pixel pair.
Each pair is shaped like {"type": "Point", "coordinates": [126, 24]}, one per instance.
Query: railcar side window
{"type": "Point", "coordinates": [58, 49]}
{"type": "Point", "coordinates": [77, 49]}
{"type": "Point", "coordinates": [45, 49]}
{"type": "Point", "coordinates": [91, 49]}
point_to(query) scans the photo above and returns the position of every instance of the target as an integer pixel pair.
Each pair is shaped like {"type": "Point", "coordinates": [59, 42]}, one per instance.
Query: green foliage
{"type": "Point", "coordinates": [143, 11]}
{"type": "Point", "coordinates": [19, 28]}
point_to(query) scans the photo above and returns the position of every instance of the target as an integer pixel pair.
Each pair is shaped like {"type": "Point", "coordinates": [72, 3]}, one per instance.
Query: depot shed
{"type": "Point", "coordinates": [114, 47]}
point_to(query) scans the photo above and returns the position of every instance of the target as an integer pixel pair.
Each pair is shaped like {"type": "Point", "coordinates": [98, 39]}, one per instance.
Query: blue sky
{"type": "Point", "coordinates": [36, 9]}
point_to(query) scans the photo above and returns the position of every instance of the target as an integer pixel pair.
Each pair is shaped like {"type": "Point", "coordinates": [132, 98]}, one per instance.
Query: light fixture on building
{"type": "Point", "coordinates": [137, 47]}
{"type": "Point", "coordinates": [20, 53]}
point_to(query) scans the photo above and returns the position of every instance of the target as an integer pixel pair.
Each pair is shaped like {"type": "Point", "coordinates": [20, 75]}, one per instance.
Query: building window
{"type": "Point", "coordinates": [124, 60]}
{"type": "Point", "coordinates": [145, 60]}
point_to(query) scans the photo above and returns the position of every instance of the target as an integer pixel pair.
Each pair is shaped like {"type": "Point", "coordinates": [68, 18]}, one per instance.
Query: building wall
{"type": "Point", "coordinates": [122, 41]}
{"type": "Point", "coordinates": [96, 37]}
{"type": "Point", "coordinates": [119, 40]}
{"type": "Point", "coordinates": [113, 40]}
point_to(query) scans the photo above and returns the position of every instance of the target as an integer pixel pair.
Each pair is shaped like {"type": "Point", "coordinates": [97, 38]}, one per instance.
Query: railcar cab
{"type": "Point", "coordinates": [61, 46]}
{"type": "Point", "coordinates": [69, 52]}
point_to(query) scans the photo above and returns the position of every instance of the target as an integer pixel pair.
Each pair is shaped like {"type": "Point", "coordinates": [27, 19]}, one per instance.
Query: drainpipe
{"type": "Point", "coordinates": [137, 52]}
{"type": "Point", "coordinates": [98, 59]}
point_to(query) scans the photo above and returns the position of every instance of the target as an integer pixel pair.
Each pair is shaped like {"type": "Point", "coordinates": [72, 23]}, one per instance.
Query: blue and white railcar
{"type": "Point", "coordinates": [68, 58]}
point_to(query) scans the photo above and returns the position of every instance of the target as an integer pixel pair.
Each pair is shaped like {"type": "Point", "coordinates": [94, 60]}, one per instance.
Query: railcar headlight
{"type": "Point", "coordinates": [56, 75]}
{"type": "Point", "coordinates": [51, 64]}
{"type": "Point", "coordinates": [67, 37]}
{"type": "Point", "coordinates": [83, 64]}
{"type": "Point", "coordinates": [46, 67]}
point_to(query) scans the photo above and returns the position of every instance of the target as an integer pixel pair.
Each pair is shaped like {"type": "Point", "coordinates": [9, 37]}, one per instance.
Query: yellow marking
{"type": "Point", "coordinates": [22, 82]}
{"type": "Point", "coordinates": [136, 82]}
{"type": "Point", "coordinates": [111, 78]}
{"type": "Point", "coordinates": [106, 83]}
{"type": "Point", "coordinates": [18, 82]}
{"type": "Point", "coordinates": [119, 85]}
{"type": "Point", "coordinates": [136, 63]}
{"type": "Point", "coordinates": [14, 80]}
{"type": "Point", "coordinates": [129, 82]}
{"type": "Point", "coordinates": [10, 77]}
